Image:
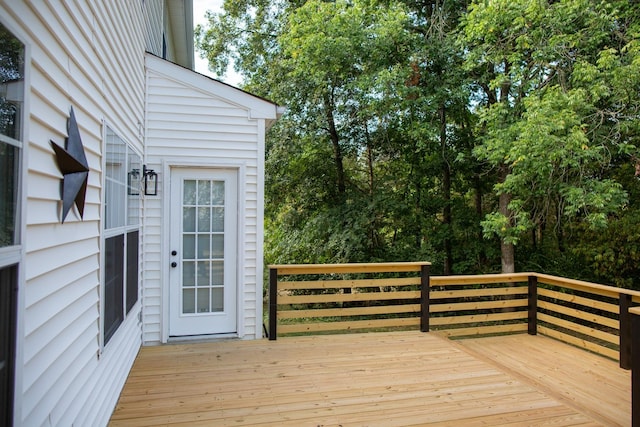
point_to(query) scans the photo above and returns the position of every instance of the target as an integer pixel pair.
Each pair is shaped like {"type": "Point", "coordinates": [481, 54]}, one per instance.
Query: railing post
{"type": "Point", "coordinates": [635, 367]}
{"type": "Point", "coordinates": [425, 289]}
{"type": "Point", "coordinates": [532, 317]}
{"type": "Point", "coordinates": [625, 331]}
{"type": "Point", "coordinates": [273, 304]}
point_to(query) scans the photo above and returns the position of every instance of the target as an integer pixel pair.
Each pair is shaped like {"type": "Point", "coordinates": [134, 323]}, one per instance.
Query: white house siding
{"type": "Point", "coordinates": [154, 12]}
{"type": "Point", "coordinates": [89, 55]}
{"type": "Point", "coordinates": [194, 120]}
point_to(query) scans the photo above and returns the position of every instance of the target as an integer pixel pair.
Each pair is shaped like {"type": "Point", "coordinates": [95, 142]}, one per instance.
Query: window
{"type": "Point", "coordinates": [122, 228]}
{"type": "Point", "coordinates": [11, 101]}
{"type": "Point", "coordinates": [8, 288]}
{"type": "Point", "coordinates": [11, 96]}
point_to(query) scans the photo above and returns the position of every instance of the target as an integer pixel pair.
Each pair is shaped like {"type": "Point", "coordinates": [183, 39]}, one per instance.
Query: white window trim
{"type": "Point", "coordinates": [106, 233]}
{"type": "Point", "coordinates": [15, 255]}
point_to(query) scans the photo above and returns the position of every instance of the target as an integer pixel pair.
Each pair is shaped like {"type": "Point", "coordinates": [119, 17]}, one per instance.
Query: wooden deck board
{"type": "Point", "coordinates": [375, 379]}
{"type": "Point", "coordinates": [594, 384]}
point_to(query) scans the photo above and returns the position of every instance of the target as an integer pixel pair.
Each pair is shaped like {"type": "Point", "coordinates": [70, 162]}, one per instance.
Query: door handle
{"type": "Point", "coordinates": [174, 253]}
{"type": "Point", "coordinates": [174, 264]}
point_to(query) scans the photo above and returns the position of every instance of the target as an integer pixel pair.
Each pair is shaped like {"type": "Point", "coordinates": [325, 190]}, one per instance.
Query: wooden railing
{"type": "Point", "coordinates": [338, 297]}
{"type": "Point", "coordinates": [335, 297]}
{"type": "Point", "coordinates": [347, 297]}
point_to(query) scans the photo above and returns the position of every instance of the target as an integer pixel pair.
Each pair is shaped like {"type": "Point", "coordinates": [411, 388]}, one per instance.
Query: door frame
{"type": "Point", "coordinates": [165, 244]}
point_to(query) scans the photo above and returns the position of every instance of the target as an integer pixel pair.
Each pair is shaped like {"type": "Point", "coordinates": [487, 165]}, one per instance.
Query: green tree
{"type": "Point", "coordinates": [536, 116]}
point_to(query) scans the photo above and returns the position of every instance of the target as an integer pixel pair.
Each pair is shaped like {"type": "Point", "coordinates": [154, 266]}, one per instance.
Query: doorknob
{"type": "Point", "coordinates": [174, 264]}
{"type": "Point", "coordinates": [174, 253]}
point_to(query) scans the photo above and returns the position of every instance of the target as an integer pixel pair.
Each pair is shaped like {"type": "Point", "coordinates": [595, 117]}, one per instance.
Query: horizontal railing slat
{"type": "Point", "coordinates": [481, 292]}
{"type": "Point", "coordinates": [587, 302]}
{"type": "Point", "coordinates": [349, 311]}
{"type": "Point", "coordinates": [480, 279]}
{"type": "Point", "coordinates": [579, 314]}
{"type": "Point", "coordinates": [349, 325]}
{"type": "Point", "coordinates": [585, 330]}
{"type": "Point", "coordinates": [383, 267]}
{"type": "Point", "coordinates": [364, 296]}
{"type": "Point", "coordinates": [485, 330]}
{"type": "Point", "coordinates": [478, 318]}
{"type": "Point", "coordinates": [356, 283]}
{"type": "Point", "coordinates": [578, 342]}
{"type": "Point", "coordinates": [478, 305]}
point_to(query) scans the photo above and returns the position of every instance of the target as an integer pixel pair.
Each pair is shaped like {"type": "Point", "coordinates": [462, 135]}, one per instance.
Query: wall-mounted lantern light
{"type": "Point", "coordinates": [133, 182]}
{"type": "Point", "coordinates": [150, 181]}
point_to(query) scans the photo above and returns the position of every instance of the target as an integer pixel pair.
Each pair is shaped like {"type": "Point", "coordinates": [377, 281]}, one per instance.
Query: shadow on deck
{"type": "Point", "coordinates": [375, 379]}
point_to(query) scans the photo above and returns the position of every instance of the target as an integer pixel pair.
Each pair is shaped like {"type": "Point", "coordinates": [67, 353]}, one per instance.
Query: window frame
{"type": "Point", "coordinates": [123, 229]}
{"type": "Point", "coordinates": [12, 256]}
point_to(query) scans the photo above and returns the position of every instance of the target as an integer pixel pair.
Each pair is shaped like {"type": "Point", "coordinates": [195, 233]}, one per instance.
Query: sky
{"type": "Point", "coordinates": [199, 9]}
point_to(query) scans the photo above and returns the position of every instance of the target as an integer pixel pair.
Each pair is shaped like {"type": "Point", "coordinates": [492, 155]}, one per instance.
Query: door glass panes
{"type": "Point", "coordinates": [203, 246]}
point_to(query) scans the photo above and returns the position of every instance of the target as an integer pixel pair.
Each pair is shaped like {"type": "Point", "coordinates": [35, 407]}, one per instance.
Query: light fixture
{"type": "Point", "coordinates": [150, 181]}
{"type": "Point", "coordinates": [133, 182]}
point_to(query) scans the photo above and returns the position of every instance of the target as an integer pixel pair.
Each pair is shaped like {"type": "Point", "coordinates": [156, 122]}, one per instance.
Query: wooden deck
{"type": "Point", "coordinates": [375, 379]}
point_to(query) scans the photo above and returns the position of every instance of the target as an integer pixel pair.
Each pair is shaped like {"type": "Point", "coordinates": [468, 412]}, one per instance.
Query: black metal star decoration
{"type": "Point", "coordinates": [72, 162]}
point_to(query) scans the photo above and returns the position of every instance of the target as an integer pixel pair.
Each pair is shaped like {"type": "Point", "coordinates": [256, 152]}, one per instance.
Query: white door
{"type": "Point", "coordinates": [203, 288]}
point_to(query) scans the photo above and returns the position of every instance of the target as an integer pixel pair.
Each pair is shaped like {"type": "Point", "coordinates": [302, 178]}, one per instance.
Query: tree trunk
{"type": "Point", "coordinates": [477, 183]}
{"type": "Point", "coordinates": [507, 250]}
{"type": "Point", "coordinates": [335, 141]}
{"type": "Point", "coordinates": [446, 193]}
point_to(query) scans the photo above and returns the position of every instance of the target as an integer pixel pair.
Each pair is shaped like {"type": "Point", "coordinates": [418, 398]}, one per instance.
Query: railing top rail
{"type": "Point", "coordinates": [387, 267]}
{"type": "Point", "coordinates": [380, 267]}
{"type": "Point", "coordinates": [584, 286]}
{"type": "Point", "coordinates": [479, 279]}
{"type": "Point", "coordinates": [548, 279]}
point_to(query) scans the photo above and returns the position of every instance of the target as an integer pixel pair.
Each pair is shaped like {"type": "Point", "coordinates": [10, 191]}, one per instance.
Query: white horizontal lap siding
{"type": "Point", "coordinates": [89, 55]}
{"type": "Point", "coordinates": [189, 122]}
{"type": "Point", "coordinates": [153, 15]}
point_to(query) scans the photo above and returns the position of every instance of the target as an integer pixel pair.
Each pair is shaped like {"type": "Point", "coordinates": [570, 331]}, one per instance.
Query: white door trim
{"type": "Point", "coordinates": [165, 245]}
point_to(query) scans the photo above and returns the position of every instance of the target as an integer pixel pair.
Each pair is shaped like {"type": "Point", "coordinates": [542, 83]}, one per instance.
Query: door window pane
{"type": "Point", "coordinates": [204, 219]}
{"type": "Point", "coordinates": [217, 299]}
{"type": "Point", "coordinates": [203, 300]}
{"type": "Point", "coordinates": [217, 272]}
{"type": "Point", "coordinates": [217, 248]}
{"type": "Point", "coordinates": [204, 193]}
{"type": "Point", "coordinates": [218, 193]}
{"type": "Point", "coordinates": [218, 220]}
{"type": "Point", "coordinates": [188, 273]}
{"type": "Point", "coordinates": [189, 197]}
{"type": "Point", "coordinates": [189, 246]}
{"type": "Point", "coordinates": [203, 273]}
{"type": "Point", "coordinates": [188, 220]}
{"type": "Point", "coordinates": [203, 246]}
{"type": "Point", "coordinates": [188, 301]}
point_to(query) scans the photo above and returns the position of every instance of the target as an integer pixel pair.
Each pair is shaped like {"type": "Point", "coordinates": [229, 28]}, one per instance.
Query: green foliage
{"type": "Point", "coordinates": [410, 122]}
{"type": "Point", "coordinates": [538, 119]}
